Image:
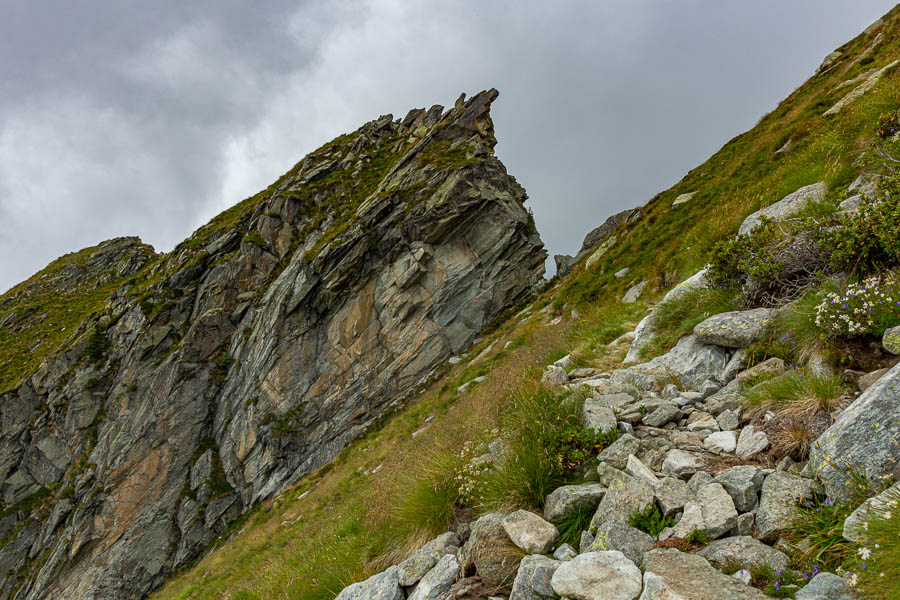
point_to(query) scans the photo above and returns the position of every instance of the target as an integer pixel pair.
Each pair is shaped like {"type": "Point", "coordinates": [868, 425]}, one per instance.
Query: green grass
{"type": "Point", "coordinates": [650, 520]}
{"type": "Point", "coordinates": [798, 392]}
{"type": "Point", "coordinates": [878, 580]}
{"type": "Point", "coordinates": [571, 527]}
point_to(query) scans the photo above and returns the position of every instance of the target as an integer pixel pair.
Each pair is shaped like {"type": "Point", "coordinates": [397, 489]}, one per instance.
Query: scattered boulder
{"type": "Point", "coordinates": [671, 495]}
{"type": "Point", "coordinates": [533, 579]}
{"type": "Point", "coordinates": [729, 419]}
{"type": "Point", "coordinates": [825, 586]}
{"type": "Point", "coordinates": [634, 292]}
{"type": "Point", "coordinates": [569, 499]}
{"type": "Point", "coordinates": [681, 464]}
{"type": "Point", "coordinates": [787, 206]}
{"type": "Point", "coordinates": [723, 442]}
{"type": "Point", "coordinates": [555, 376]}
{"type": "Point", "coordinates": [742, 483]}
{"type": "Point", "coordinates": [745, 551]}
{"type": "Point", "coordinates": [383, 586]}
{"type": "Point", "coordinates": [598, 576]}
{"type": "Point", "coordinates": [625, 495]}
{"type": "Point", "coordinates": [489, 552]}
{"type": "Point", "coordinates": [616, 454]}
{"type": "Point", "coordinates": [438, 580]}
{"type": "Point", "coordinates": [617, 535]}
{"type": "Point", "coordinates": [691, 361]}
{"type": "Point", "coordinates": [781, 492]}
{"type": "Point", "coordinates": [751, 442]}
{"type": "Point", "coordinates": [736, 329]}
{"type": "Point", "coordinates": [564, 552]}
{"type": "Point", "coordinates": [864, 436]}
{"type": "Point", "coordinates": [891, 340]}
{"type": "Point", "coordinates": [636, 468]}
{"type": "Point", "coordinates": [858, 91]}
{"type": "Point", "coordinates": [530, 532]}
{"type": "Point", "coordinates": [662, 415]}
{"type": "Point", "coordinates": [683, 199]}
{"type": "Point", "coordinates": [673, 575]}
{"type": "Point", "coordinates": [596, 416]}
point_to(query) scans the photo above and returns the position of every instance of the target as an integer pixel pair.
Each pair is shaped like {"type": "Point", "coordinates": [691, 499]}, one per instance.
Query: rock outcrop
{"type": "Point", "coordinates": [253, 353]}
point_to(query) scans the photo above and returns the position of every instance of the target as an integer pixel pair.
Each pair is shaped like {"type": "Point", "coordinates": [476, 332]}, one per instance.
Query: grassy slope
{"type": "Point", "coordinates": [348, 525]}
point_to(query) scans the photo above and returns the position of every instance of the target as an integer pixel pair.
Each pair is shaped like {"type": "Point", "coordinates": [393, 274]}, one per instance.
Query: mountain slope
{"type": "Point", "coordinates": [252, 353]}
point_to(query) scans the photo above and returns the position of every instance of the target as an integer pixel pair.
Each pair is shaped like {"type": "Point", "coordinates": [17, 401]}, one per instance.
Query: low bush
{"type": "Point", "coordinates": [650, 520]}
{"type": "Point", "coordinates": [869, 239]}
{"type": "Point", "coordinates": [868, 307]}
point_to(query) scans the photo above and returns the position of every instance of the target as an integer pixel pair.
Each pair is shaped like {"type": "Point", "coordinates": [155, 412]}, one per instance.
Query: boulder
{"type": "Point", "coordinates": [713, 512]}
{"type": "Point", "coordinates": [683, 199]}
{"type": "Point", "coordinates": [564, 552]}
{"type": "Point", "coordinates": [729, 419]}
{"type": "Point", "coordinates": [532, 582]}
{"type": "Point", "coordinates": [787, 206]}
{"type": "Point", "coordinates": [781, 492]}
{"type": "Point", "coordinates": [617, 453]}
{"type": "Point", "coordinates": [438, 580]}
{"type": "Point", "coordinates": [634, 292]}
{"type": "Point", "coordinates": [744, 551]}
{"type": "Point", "coordinates": [598, 576]}
{"type": "Point", "coordinates": [625, 495]}
{"type": "Point", "coordinates": [742, 483]}
{"type": "Point", "coordinates": [662, 415]}
{"type": "Point", "coordinates": [891, 340]}
{"type": "Point", "coordinates": [597, 417]}
{"type": "Point", "coordinates": [737, 329]}
{"type": "Point", "coordinates": [383, 586]}
{"type": "Point", "coordinates": [671, 495]}
{"type": "Point", "coordinates": [529, 532]}
{"type": "Point", "coordinates": [681, 464]}
{"type": "Point", "coordinates": [690, 361]}
{"type": "Point", "coordinates": [489, 551]}
{"type": "Point", "coordinates": [751, 442]}
{"type": "Point", "coordinates": [885, 502]}
{"type": "Point", "coordinates": [825, 586]}
{"type": "Point", "coordinates": [673, 575]}
{"type": "Point", "coordinates": [863, 436]}
{"type": "Point", "coordinates": [723, 442]}
{"type": "Point", "coordinates": [636, 468]}
{"type": "Point", "coordinates": [570, 499]}
{"type": "Point", "coordinates": [555, 376]}
{"type": "Point", "coordinates": [617, 535]}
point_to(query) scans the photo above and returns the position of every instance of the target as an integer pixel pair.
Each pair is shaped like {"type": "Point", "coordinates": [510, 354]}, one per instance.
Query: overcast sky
{"type": "Point", "coordinates": [148, 118]}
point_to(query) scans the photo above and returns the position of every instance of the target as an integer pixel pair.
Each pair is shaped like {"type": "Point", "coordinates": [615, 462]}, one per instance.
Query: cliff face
{"type": "Point", "coordinates": [254, 352]}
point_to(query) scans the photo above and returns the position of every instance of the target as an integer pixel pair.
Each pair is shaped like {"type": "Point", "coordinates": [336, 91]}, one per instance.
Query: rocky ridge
{"type": "Point", "coordinates": [214, 376]}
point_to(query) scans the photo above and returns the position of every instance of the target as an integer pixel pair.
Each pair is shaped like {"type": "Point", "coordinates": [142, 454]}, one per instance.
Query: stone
{"type": "Point", "coordinates": [864, 435]}
{"type": "Point", "coordinates": [787, 206]}
{"type": "Point", "coordinates": [670, 391]}
{"type": "Point", "coordinates": [736, 329]}
{"type": "Point", "coordinates": [625, 496]}
{"type": "Point", "coordinates": [723, 442]}
{"type": "Point", "coordinates": [555, 376]}
{"type": "Point", "coordinates": [414, 568]}
{"type": "Point", "coordinates": [708, 387]}
{"type": "Point", "coordinates": [868, 380]}
{"type": "Point", "coordinates": [743, 575]}
{"type": "Point", "coordinates": [681, 464]}
{"type": "Point", "coordinates": [877, 506]}
{"type": "Point", "coordinates": [746, 524]}
{"type": "Point", "coordinates": [438, 580]}
{"type": "Point", "coordinates": [616, 401]}
{"type": "Point", "coordinates": [683, 199]}
{"type": "Point", "coordinates": [866, 184]}
{"type": "Point", "coordinates": [598, 576]}
{"type": "Point", "coordinates": [599, 252]}
{"type": "Point", "coordinates": [614, 534]}
{"type": "Point", "coordinates": [532, 582]}
{"type": "Point", "coordinates": [781, 492]}
{"type": "Point", "coordinates": [597, 417]}
{"type": "Point", "coordinates": [719, 513]}
{"type": "Point", "coordinates": [673, 575]}
{"type": "Point", "coordinates": [564, 552]}
{"type": "Point", "coordinates": [699, 420]}
{"type": "Point", "coordinates": [751, 442]}
{"type": "Point", "coordinates": [671, 495]}
{"type": "Point", "coordinates": [746, 552]}
{"type": "Point", "coordinates": [634, 292]}
{"type": "Point", "coordinates": [743, 483]}
{"type": "Point", "coordinates": [636, 468]}
{"type": "Point", "coordinates": [698, 480]}
{"type": "Point", "coordinates": [858, 91]}
{"type": "Point", "coordinates": [690, 361]}
{"type": "Point", "coordinates": [729, 419]}
{"type": "Point", "coordinates": [770, 367]}
{"type": "Point", "coordinates": [825, 586]}
{"type": "Point", "coordinates": [530, 532]}
{"type": "Point", "coordinates": [616, 454]}
{"type": "Point", "coordinates": [383, 586]}
{"type": "Point", "coordinates": [570, 499]}
{"type": "Point", "coordinates": [891, 340]}
{"type": "Point", "coordinates": [585, 541]}
{"type": "Point", "coordinates": [489, 551]}
{"type": "Point", "coordinates": [621, 273]}
{"type": "Point", "coordinates": [662, 415]}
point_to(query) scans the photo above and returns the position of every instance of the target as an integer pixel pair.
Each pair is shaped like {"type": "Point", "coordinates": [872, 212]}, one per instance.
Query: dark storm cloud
{"type": "Point", "coordinates": [123, 118]}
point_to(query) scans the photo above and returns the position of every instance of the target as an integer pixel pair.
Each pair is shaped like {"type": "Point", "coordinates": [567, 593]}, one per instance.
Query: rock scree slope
{"type": "Point", "coordinates": [188, 386]}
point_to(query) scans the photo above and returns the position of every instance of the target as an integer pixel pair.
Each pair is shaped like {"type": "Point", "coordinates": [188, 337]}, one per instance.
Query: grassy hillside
{"type": "Point", "coordinates": [400, 484]}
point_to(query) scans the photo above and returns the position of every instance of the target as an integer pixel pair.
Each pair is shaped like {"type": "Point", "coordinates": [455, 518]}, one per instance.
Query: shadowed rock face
{"type": "Point", "coordinates": [257, 350]}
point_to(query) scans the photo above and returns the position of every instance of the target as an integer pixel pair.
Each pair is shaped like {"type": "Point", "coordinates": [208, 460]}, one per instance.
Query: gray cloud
{"type": "Point", "coordinates": [122, 118]}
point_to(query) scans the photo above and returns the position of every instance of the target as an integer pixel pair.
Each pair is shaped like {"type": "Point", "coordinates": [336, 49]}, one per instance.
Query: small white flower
{"type": "Point", "coordinates": [864, 553]}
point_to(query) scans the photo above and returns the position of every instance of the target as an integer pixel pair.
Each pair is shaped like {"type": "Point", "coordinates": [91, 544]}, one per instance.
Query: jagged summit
{"type": "Point", "coordinates": [188, 386]}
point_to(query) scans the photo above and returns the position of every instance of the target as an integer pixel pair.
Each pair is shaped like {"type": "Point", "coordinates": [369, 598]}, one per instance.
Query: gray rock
{"type": "Point", "coordinates": [891, 340]}
{"type": "Point", "coordinates": [787, 206]}
{"type": "Point", "coordinates": [736, 329]}
{"type": "Point", "coordinates": [719, 513]}
{"type": "Point", "coordinates": [690, 361]}
{"type": "Point", "coordinates": [681, 464]}
{"type": "Point", "coordinates": [621, 273]}
{"type": "Point", "coordinates": [708, 387]}
{"type": "Point", "coordinates": [825, 586]}
{"type": "Point", "coordinates": [555, 376]}
{"type": "Point", "coordinates": [876, 506]}
{"type": "Point", "coordinates": [868, 380]}
{"type": "Point", "coordinates": [670, 391]}
{"type": "Point", "coordinates": [742, 483]}
{"type": "Point", "coordinates": [751, 442]}
{"type": "Point", "coordinates": [634, 292]}
{"type": "Point", "coordinates": [729, 419]}
{"type": "Point", "coordinates": [743, 575]}
{"type": "Point", "coordinates": [414, 568]}
{"type": "Point", "coordinates": [616, 454]}
{"type": "Point", "coordinates": [570, 499]}
{"type": "Point", "coordinates": [636, 468]}
{"type": "Point", "coordinates": [585, 542]}
{"type": "Point", "coordinates": [598, 576]}
{"type": "Point", "coordinates": [781, 492]}
{"type": "Point", "coordinates": [671, 495]}
{"type": "Point", "coordinates": [698, 480]}
{"type": "Point", "coordinates": [564, 552]}
{"type": "Point", "coordinates": [673, 575]}
{"type": "Point", "coordinates": [683, 199]}
{"type": "Point", "coordinates": [529, 532]}
{"type": "Point", "coordinates": [383, 586]}
{"type": "Point", "coordinates": [662, 415]}
{"type": "Point", "coordinates": [438, 580]}
{"type": "Point", "coordinates": [597, 417]}
{"type": "Point", "coordinates": [746, 552]}
{"type": "Point", "coordinates": [864, 435]}
{"type": "Point", "coordinates": [861, 89]}
{"type": "Point", "coordinates": [723, 442]}
{"type": "Point", "coordinates": [613, 534]}
{"type": "Point", "coordinates": [488, 550]}
{"type": "Point", "coordinates": [625, 495]}
{"type": "Point", "coordinates": [533, 579]}
{"type": "Point", "coordinates": [746, 524]}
